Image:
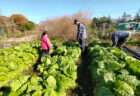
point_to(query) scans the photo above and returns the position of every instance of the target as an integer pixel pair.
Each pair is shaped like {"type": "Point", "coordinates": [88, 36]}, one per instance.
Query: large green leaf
{"type": "Point", "coordinates": [50, 82]}
{"type": "Point", "coordinates": [104, 91]}
{"type": "Point", "coordinates": [123, 89]}
{"type": "Point", "coordinates": [109, 65]}
{"type": "Point", "coordinates": [131, 80]}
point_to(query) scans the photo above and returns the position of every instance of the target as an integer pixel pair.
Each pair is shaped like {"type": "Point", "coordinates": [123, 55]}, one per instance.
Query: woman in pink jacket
{"type": "Point", "coordinates": [45, 44]}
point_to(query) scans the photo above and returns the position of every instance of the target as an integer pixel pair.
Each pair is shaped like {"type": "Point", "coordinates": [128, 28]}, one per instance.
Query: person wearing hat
{"type": "Point", "coordinates": [81, 34]}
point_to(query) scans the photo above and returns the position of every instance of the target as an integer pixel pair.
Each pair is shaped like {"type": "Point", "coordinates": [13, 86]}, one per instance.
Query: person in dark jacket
{"type": "Point", "coordinates": [81, 35]}
{"type": "Point", "coordinates": [119, 38]}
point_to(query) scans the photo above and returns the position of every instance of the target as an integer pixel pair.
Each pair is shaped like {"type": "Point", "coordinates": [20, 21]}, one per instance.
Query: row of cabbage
{"type": "Point", "coordinates": [59, 73]}
{"type": "Point", "coordinates": [15, 60]}
{"type": "Point", "coordinates": [114, 72]}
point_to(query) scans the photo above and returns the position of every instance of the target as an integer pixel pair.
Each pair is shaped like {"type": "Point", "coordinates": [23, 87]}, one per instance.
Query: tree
{"type": "Point", "coordinates": [27, 26]}
{"type": "Point", "coordinates": [124, 17]}
{"type": "Point", "coordinates": [19, 19]}
{"type": "Point", "coordinates": [98, 22]}
{"type": "Point", "coordinates": [94, 22]}
{"type": "Point", "coordinates": [22, 22]}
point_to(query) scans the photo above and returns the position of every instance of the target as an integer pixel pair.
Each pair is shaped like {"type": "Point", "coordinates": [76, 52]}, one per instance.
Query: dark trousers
{"type": "Point", "coordinates": [121, 42]}
{"type": "Point", "coordinates": [118, 42]}
{"type": "Point", "coordinates": [82, 43]}
{"type": "Point", "coordinates": [43, 54]}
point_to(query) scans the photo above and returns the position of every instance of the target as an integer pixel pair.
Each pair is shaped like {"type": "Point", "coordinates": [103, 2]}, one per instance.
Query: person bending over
{"type": "Point", "coordinates": [81, 34]}
{"type": "Point", "coordinates": [119, 38]}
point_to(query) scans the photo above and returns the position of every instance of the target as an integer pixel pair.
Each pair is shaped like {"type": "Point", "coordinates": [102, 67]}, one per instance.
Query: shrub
{"type": "Point", "coordinates": [63, 27]}
{"type": "Point", "coordinates": [27, 26]}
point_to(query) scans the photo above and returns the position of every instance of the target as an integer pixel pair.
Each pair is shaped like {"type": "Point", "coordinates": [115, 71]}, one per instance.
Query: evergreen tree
{"type": "Point", "coordinates": [124, 16]}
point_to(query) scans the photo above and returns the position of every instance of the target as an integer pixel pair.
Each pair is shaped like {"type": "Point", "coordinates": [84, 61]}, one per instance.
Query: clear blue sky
{"type": "Point", "coordinates": [37, 10]}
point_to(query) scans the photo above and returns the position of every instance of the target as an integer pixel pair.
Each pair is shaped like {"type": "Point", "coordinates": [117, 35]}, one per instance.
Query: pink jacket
{"type": "Point", "coordinates": [45, 43]}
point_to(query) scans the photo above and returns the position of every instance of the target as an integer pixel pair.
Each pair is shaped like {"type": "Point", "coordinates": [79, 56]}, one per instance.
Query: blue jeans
{"type": "Point", "coordinates": [82, 43]}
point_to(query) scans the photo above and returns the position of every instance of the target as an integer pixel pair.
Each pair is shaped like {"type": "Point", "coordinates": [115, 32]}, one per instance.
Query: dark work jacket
{"type": "Point", "coordinates": [119, 35]}
{"type": "Point", "coordinates": [81, 31]}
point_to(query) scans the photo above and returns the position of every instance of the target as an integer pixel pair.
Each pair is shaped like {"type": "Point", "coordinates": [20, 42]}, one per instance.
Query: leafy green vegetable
{"type": "Point", "coordinates": [37, 93]}
{"type": "Point", "coordinates": [23, 79]}
{"type": "Point", "coordinates": [12, 66]}
{"type": "Point", "coordinates": [35, 80]}
{"type": "Point", "coordinates": [137, 93]}
{"type": "Point", "coordinates": [104, 91]}
{"type": "Point", "coordinates": [21, 89]}
{"type": "Point", "coordinates": [131, 80]}
{"type": "Point", "coordinates": [3, 69]}
{"type": "Point", "coordinates": [113, 71]}
{"type": "Point", "coordinates": [14, 85]}
{"type": "Point", "coordinates": [109, 77]}
{"type": "Point", "coordinates": [109, 65]}
{"type": "Point", "coordinates": [50, 82]}
{"type": "Point", "coordinates": [58, 73]}
{"type": "Point", "coordinates": [123, 89]}
{"type": "Point", "coordinates": [50, 92]}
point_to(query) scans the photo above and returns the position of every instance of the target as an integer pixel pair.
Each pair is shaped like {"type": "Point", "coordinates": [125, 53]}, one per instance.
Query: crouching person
{"type": "Point", "coordinates": [119, 38]}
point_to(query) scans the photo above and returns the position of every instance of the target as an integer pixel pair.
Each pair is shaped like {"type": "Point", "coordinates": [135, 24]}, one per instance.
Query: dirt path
{"type": "Point", "coordinates": [16, 41]}
{"type": "Point", "coordinates": [20, 39]}
{"type": "Point", "coordinates": [85, 86]}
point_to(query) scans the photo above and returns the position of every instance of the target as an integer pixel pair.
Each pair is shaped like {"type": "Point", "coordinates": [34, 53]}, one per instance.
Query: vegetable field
{"type": "Point", "coordinates": [99, 71]}
{"type": "Point", "coordinates": [114, 72]}
{"type": "Point", "coordinates": [58, 72]}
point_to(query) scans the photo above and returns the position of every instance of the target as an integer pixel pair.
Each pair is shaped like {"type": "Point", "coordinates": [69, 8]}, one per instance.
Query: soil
{"type": "Point", "coordinates": [30, 71]}
{"type": "Point", "coordinates": [84, 82]}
